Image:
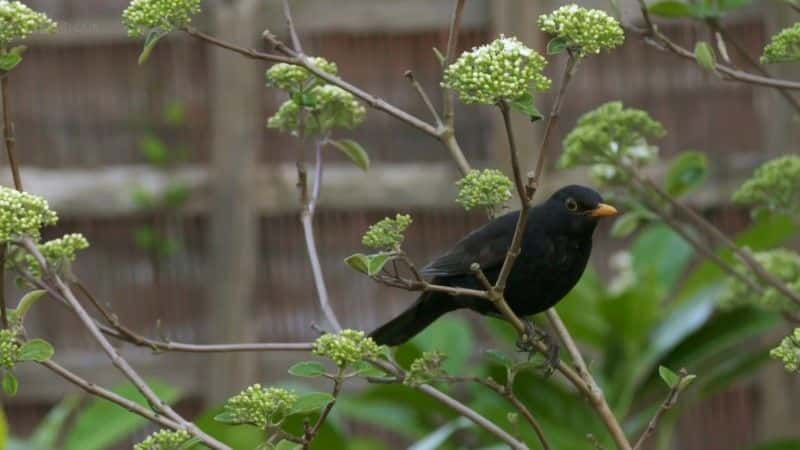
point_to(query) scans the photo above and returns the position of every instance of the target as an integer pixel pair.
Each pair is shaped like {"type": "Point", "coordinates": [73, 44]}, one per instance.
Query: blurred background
{"type": "Point", "coordinates": [190, 205]}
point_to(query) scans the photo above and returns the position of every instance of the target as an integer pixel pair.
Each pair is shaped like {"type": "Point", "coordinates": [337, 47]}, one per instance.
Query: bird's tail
{"type": "Point", "coordinates": [428, 307]}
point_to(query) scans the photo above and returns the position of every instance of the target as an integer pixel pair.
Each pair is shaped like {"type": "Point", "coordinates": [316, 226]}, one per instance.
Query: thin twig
{"type": "Point", "coordinates": [507, 392]}
{"type": "Point", "coordinates": [287, 14]}
{"type": "Point", "coordinates": [596, 396]}
{"type": "Point", "coordinates": [3, 306]}
{"type": "Point", "coordinates": [98, 391]}
{"type": "Point", "coordinates": [246, 52]}
{"type": "Point", "coordinates": [452, 44]}
{"type": "Point", "coordinates": [312, 432]}
{"type": "Point", "coordinates": [8, 131]}
{"type": "Point", "coordinates": [669, 402]}
{"type": "Point", "coordinates": [424, 96]}
{"type": "Point", "coordinates": [116, 359]}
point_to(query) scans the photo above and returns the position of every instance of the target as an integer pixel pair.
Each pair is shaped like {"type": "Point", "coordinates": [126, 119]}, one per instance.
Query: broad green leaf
{"type": "Point", "coordinates": [437, 438]}
{"type": "Point", "coordinates": [8, 61]}
{"type": "Point", "coordinates": [365, 369]}
{"type": "Point", "coordinates": [625, 224]}
{"type": "Point", "coordinates": [47, 432]}
{"type": "Point", "coordinates": [354, 151]}
{"type": "Point", "coordinates": [736, 366]}
{"type": "Point", "coordinates": [10, 383]}
{"type": "Point", "coordinates": [307, 369]}
{"type": "Point", "coordinates": [671, 8]}
{"type": "Point", "coordinates": [36, 350]}
{"type": "Point", "coordinates": [103, 424]}
{"type": "Point", "coordinates": [660, 256]}
{"type": "Point", "coordinates": [245, 437]}
{"type": "Point", "coordinates": [670, 378]}
{"type": "Point", "coordinates": [525, 106]}
{"type": "Point", "coordinates": [359, 262]}
{"type": "Point", "coordinates": [376, 262]}
{"type": "Point", "coordinates": [705, 56]}
{"type": "Point", "coordinates": [557, 45]}
{"type": "Point", "coordinates": [687, 172]}
{"type": "Point", "coordinates": [27, 301]}
{"type": "Point", "coordinates": [311, 402]}
{"type": "Point", "coordinates": [498, 357]}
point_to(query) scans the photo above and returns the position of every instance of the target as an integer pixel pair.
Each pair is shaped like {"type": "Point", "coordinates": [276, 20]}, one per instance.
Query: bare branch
{"type": "Point", "coordinates": [246, 52]}
{"type": "Point", "coordinates": [452, 44]}
{"type": "Point", "coordinates": [424, 96]}
{"type": "Point", "coordinates": [8, 131]}
{"type": "Point", "coordinates": [287, 13]}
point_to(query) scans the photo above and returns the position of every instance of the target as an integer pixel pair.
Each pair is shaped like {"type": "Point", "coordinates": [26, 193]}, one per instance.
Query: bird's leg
{"type": "Point", "coordinates": [525, 344]}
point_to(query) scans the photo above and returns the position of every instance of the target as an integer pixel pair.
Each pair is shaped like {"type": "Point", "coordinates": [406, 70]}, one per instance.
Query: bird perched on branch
{"type": "Point", "coordinates": [555, 249]}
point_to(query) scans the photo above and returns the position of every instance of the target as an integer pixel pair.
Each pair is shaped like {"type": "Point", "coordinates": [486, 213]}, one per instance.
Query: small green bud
{"type": "Point", "coordinates": [142, 16]}
{"type": "Point", "coordinates": [23, 214]}
{"type": "Point", "coordinates": [488, 188]}
{"type": "Point", "coordinates": [783, 47]}
{"type": "Point", "coordinates": [18, 21]}
{"type": "Point", "coordinates": [586, 31]}
{"type": "Point", "coordinates": [775, 186]}
{"type": "Point", "coordinates": [262, 407]}
{"type": "Point", "coordinates": [387, 233]}
{"type": "Point", "coordinates": [426, 369]}
{"type": "Point", "coordinates": [293, 78]}
{"type": "Point", "coordinates": [788, 351]}
{"type": "Point", "coordinates": [164, 440]}
{"type": "Point", "coordinates": [10, 350]}
{"type": "Point", "coordinates": [504, 69]}
{"type": "Point", "coordinates": [346, 348]}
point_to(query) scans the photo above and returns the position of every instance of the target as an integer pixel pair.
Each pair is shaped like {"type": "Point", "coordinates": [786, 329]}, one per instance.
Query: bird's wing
{"type": "Point", "coordinates": [486, 246]}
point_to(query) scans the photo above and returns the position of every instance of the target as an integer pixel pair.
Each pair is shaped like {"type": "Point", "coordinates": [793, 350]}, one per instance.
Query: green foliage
{"type": "Point", "coordinates": [259, 406]}
{"type": "Point", "coordinates": [318, 111]}
{"type": "Point", "coordinates": [165, 440]}
{"type": "Point", "coordinates": [583, 31]}
{"type": "Point", "coordinates": [783, 47]}
{"type": "Point", "coordinates": [701, 11]}
{"type": "Point", "coordinates": [704, 55]}
{"type": "Point", "coordinates": [293, 78]}
{"type": "Point", "coordinates": [775, 186]}
{"type": "Point", "coordinates": [504, 69]}
{"type": "Point", "coordinates": [17, 21]}
{"type": "Point", "coordinates": [783, 264]}
{"type": "Point", "coordinates": [788, 352]}
{"type": "Point", "coordinates": [58, 253]}
{"type": "Point", "coordinates": [369, 264]}
{"type": "Point", "coordinates": [426, 369]}
{"type": "Point", "coordinates": [488, 188]}
{"type": "Point", "coordinates": [687, 172]}
{"type": "Point", "coordinates": [144, 16]}
{"type": "Point", "coordinates": [387, 233]}
{"type": "Point", "coordinates": [354, 151]}
{"type": "Point", "coordinates": [23, 214]}
{"type": "Point", "coordinates": [309, 369]}
{"type": "Point", "coordinates": [37, 350]}
{"type": "Point", "coordinates": [611, 138]}
{"type": "Point", "coordinates": [346, 348]}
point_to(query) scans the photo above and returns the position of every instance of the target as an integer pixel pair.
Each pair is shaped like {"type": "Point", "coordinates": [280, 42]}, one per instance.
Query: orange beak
{"type": "Point", "coordinates": [604, 210]}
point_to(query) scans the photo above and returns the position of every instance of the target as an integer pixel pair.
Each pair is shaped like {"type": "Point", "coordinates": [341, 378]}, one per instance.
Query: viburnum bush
{"type": "Point", "coordinates": [678, 265]}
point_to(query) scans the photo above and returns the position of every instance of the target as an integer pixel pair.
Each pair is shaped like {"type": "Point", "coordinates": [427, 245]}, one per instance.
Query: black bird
{"type": "Point", "coordinates": [555, 249]}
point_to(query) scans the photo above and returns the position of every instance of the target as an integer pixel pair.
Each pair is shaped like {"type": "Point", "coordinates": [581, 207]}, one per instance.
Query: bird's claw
{"type": "Point", "coordinates": [525, 343]}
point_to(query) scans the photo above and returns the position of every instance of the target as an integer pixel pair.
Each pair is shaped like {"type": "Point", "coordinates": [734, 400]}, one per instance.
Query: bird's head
{"type": "Point", "coordinates": [577, 209]}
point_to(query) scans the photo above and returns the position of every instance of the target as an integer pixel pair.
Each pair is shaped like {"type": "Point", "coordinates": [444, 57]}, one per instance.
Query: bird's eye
{"type": "Point", "coordinates": [571, 204]}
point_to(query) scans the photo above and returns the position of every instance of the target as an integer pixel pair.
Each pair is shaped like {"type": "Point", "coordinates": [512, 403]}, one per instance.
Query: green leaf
{"type": "Point", "coordinates": [104, 424]}
{"type": "Point", "coordinates": [498, 357]}
{"type": "Point", "coordinates": [47, 432]}
{"type": "Point", "coordinates": [365, 369]}
{"type": "Point", "coordinates": [359, 262]}
{"type": "Point", "coordinates": [375, 263]}
{"type": "Point", "coordinates": [671, 9]}
{"type": "Point", "coordinates": [8, 61]}
{"type": "Point", "coordinates": [626, 224]}
{"type": "Point", "coordinates": [729, 5]}
{"type": "Point", "coordinates": [308, 369]}
{"type": "Point", "coordinates": [154, 150]}
{"type": "Point", "coordinates": [189, 444]}
{"type": "Point", "coordinates": [354, 151]}
{"type": "Point", "coordinates": [227, 418]}
{"type": "Point", "coordinates": [705, 56]}
{"type": "Point", "coordinates": [670, 378]}
{"type": "Point", "coordinates": [27, 301]}
{"type": "Point", "coordinates": [36, 350]}
{"type": "Point", "coordinates": [686, 381]}
{"type": "Point", "coordinates": [525, 106]}
{"type": "Point", "coordinates": [687, 172]}
{"type": "Point", "coordinates": [150, 44]}
{"type": "Point", "coordinates": [311, 402]}
{"type": "Point", "coordinates": [10, 383]}
{"type": "Point", "coordinates": [287, 445]}
{"type": "Point", "coordinates": [557, 45]}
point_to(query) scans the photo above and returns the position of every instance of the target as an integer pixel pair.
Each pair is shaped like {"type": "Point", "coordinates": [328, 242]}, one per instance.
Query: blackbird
{"type": "Point", "coordinates": [555, 249]}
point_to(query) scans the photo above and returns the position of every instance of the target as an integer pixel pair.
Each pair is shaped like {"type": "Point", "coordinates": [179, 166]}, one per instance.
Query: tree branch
{"type": "Point", "coordinates": [246, 52]}
{"type": "Point", "coordinates": [287, 14]}
{"type": "Point", "coordinates": [669, 402]}
{"type": "Point", "coordinates": [8, 131]}
{"type": "Point", "coordinates": [424, 96]}
{"type": "Point", "coordinates": [452, 44]}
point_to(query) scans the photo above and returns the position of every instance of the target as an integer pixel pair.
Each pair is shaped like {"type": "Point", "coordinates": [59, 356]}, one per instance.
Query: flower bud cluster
{"type": "Point", "coordinates": [57, 252]}
{"type": "Point", "coordinates": [610, 138]}
{"type": "Point", "coordinates": [425, 369]}
{"type": "Point", "coordinates": [291, 77]}
{"type": "Point", "coordinates": [324, 108]}
{"type": "Point", "coordinates": [262, 407]}
{"type": "Point", "coordinates": [10, 350]}
{"type": "Point", "coordinates": [142, 16]}
{"type": "Point", "coordinates": [387, 233]}
{"type": "Point", "coordinates": [775, 186]}
{"type": "Point", "coordinates": [586, 31]}
{"type": "Point", "coordinates": [487, 188]}
{"type": "Point", "coordinates": [783, 47]}
{"type": "Point", "coordinates": [164, 440]}
{"type": "Point", "coordinates": [23, 214]}
{"type": "Point", "coordinates": [504, 69]}
{"type": "Point", "coordinates": [783, 264]}
{"type": "Point", "coordinates": [788, 351]}
{"type": "Point", "coordinates": [346, 348]}
{"type": "Point", "coordinates": [17, 21]}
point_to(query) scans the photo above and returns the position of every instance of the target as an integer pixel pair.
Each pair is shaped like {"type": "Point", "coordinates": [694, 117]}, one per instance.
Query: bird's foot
{"type": "Point", "coordinates": [526, 343]}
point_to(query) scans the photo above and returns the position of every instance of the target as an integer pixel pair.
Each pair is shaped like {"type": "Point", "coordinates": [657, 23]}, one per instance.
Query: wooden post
{"type": "Point", "coordinates": [235, 123]}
